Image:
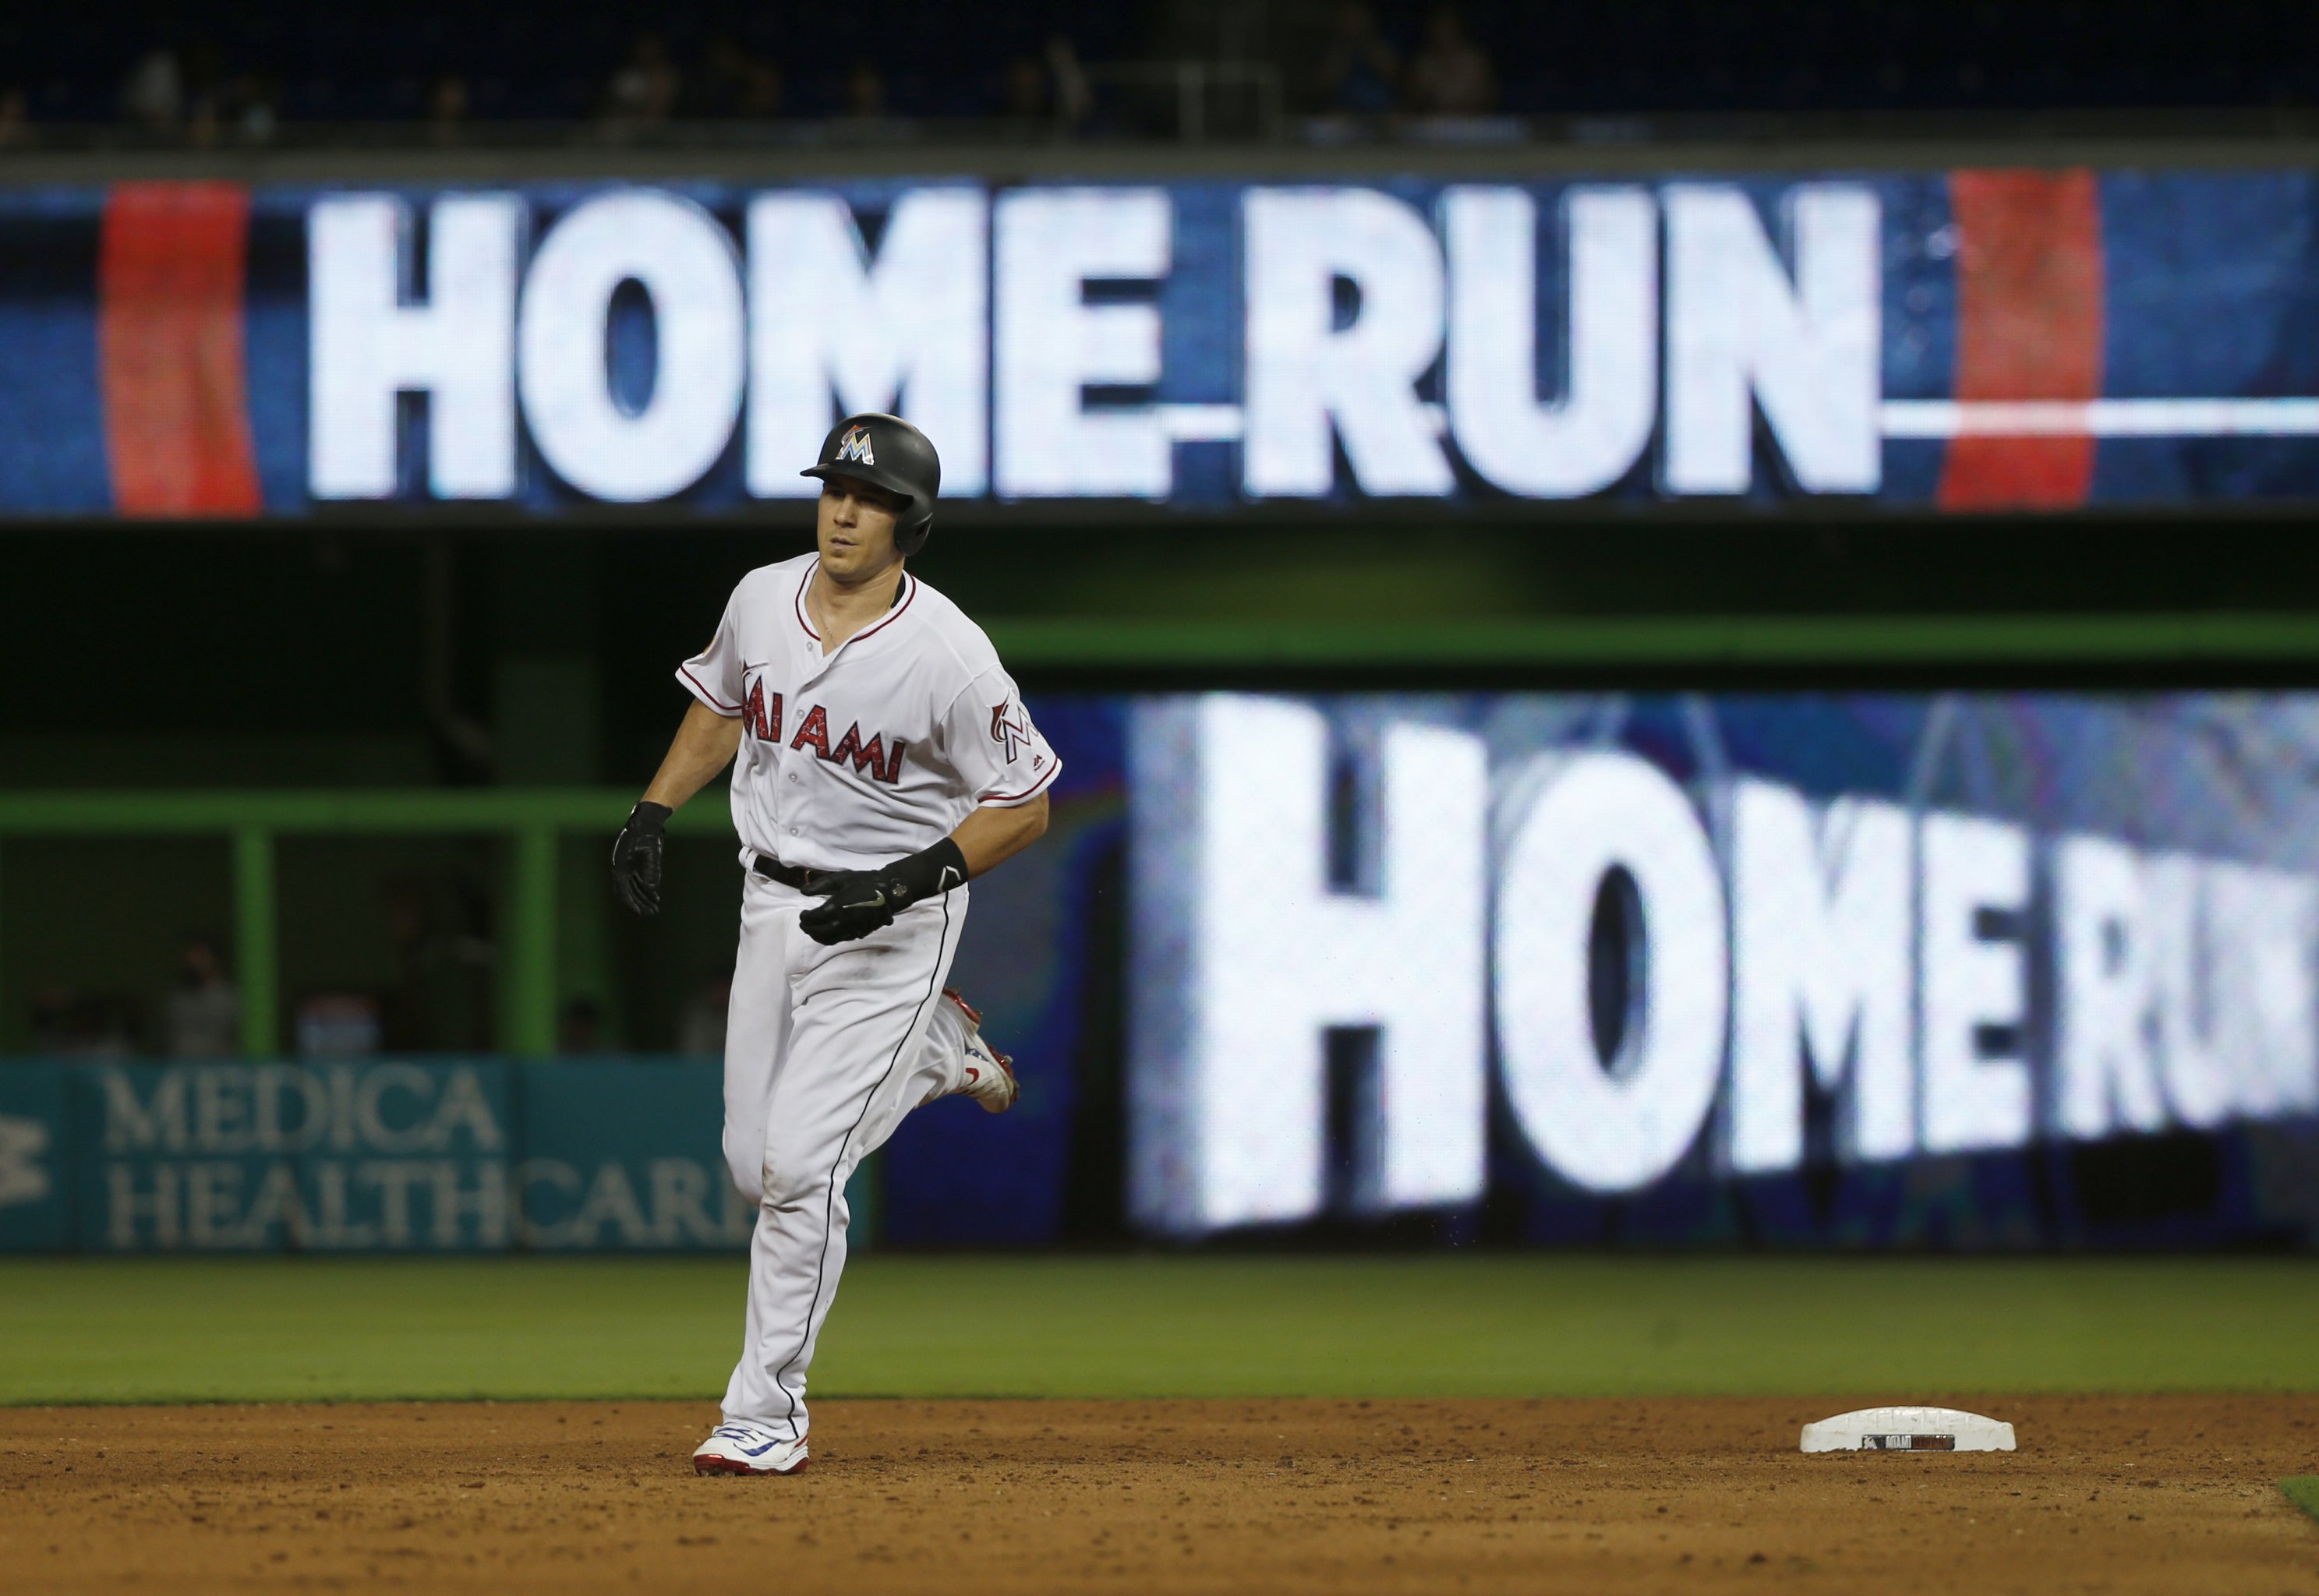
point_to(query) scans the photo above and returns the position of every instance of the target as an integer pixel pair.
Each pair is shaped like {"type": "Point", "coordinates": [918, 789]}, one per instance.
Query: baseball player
{"type": "Point", "coordinates": [882, 759]}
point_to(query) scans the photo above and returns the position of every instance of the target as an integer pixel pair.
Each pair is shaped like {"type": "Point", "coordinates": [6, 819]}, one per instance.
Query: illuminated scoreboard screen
{"type": "Point", "coordinates": [1880, 970]}
{"type": "Point", "coordinates": [1957, 340]}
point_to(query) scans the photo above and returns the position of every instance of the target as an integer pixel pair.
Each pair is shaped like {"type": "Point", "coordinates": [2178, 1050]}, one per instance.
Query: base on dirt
{"type": "Point", "coordinates": [1613, 1496]}
{"type": "Point", "coordinates": [1908, 1429]}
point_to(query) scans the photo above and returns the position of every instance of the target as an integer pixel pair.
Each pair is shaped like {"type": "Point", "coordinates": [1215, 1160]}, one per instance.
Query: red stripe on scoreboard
{"type": "Point", "coordinates": [2029, 326]}
{"type": "Point", "coordinates": [170, 274]}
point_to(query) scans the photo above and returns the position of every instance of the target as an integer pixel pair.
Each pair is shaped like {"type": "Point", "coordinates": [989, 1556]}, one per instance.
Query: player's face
{"type": "Point", "coordinates": [855, 528]}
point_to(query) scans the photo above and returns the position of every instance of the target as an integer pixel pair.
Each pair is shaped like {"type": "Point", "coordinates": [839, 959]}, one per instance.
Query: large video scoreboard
{"type": "Point", "coordinates": [1960, 341]}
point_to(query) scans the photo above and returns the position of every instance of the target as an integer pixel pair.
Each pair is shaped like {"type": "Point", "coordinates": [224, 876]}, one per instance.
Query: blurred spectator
{"type": "Point", "coordinates": [15, 119]}
{"type": "Point", "coordinates": [1450, 76]}
{"type": "Point", "coordinates": [1071, 97]}
{"type": "Point", "coordinates": [442, 1000]}
{"type": "Point", "coordinates": [736, 86]}
{"type": "Point", "coordinates": [700, 1030]}
{"type": "Point", "coordinates": [50, 1020]}
{"type": "Point", "coordinates": [865, 90]}
{"type": "Point", "coordinates": [248, 103]}
{"type": "Point", "coordinates": [1047, 91]}
{"type": "Point", "coordinates": [1360, 72]}
{"type": "Point", "coordinates": [201, 1016]}
{"type": "Point", "coordinates": [154, 93]}
{"type": "Point", "coordinates": [205, 91]}
{"type": "Point", "coordinates": [1024, 97]}
{"type": "Point", "coordinates": [580, 1027]}
{"type": "Point", "coordinates": [101, 1026]}
{"type": "Point", "coordinates": [644, 90]}
{"type": "Point", "coordinates": [337, 1025]}
{"type": "Point", "coordinates": [448, 104]}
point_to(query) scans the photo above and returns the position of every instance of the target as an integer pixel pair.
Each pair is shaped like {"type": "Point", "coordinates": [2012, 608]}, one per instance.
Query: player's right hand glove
{"type": "Point", "coordinates": [637, 858]}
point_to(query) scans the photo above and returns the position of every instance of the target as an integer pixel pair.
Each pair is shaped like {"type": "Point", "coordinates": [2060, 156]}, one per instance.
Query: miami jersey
{"type": "Point", "coordinates": [852, 759]}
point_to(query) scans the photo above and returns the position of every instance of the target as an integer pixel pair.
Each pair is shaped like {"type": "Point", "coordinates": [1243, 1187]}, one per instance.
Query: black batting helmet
{"type": "Point", "coordinates": [887, 451]}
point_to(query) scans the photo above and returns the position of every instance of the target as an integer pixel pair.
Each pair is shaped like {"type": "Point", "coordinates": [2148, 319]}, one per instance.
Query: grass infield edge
{"type": "Point", "coordinates": [2303, 1491]}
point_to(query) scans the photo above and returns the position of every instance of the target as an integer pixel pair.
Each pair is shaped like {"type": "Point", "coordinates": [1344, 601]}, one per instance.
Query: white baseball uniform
{"type": "Point", "coordinates": [848, 761]}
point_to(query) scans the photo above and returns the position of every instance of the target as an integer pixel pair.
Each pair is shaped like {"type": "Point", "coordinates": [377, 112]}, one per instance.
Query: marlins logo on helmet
{"type": "Point", "coordinates": [888, 452]}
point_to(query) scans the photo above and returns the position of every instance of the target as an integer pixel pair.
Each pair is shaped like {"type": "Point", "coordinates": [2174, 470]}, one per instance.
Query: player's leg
{"type": "Point", "coordinates": [756, 1041]}
{"type": "Point", "coordinates": [956, 1058]}
{"type": "Point", "coordinates": [854, 1066]}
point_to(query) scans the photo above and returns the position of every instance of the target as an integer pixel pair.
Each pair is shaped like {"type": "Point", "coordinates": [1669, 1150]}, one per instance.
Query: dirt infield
{"type": "Point", "coordinates": [2116, 1494]}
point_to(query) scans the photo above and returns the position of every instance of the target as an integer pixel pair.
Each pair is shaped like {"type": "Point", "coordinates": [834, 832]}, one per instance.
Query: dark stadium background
{"type": "Point", "coordinates": [447, 647]}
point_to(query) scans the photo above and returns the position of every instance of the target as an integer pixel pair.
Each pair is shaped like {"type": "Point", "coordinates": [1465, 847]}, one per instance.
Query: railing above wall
{"type": "Point", "coordinates": [532, 820]}
{"type": "Point", "coordinates": [1322, 149]}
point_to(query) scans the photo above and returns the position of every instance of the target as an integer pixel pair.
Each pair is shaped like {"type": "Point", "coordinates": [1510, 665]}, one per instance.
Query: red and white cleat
{"type": "Point", "coordinates": [737, 1447]}
{"type": "Point", "coordinates": [989, 1074]}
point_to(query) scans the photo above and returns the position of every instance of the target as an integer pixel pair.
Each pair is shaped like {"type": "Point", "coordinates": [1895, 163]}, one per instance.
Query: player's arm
{"type": "Point", "coordinates": [855, 903]}
{"type": "Point", "coordinates": [704, 744]}
{"type": "Point", "coordinates": [995, 833]}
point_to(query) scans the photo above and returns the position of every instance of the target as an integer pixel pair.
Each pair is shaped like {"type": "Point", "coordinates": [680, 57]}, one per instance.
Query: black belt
{"type": "Point", "coordinates": [773, 870]}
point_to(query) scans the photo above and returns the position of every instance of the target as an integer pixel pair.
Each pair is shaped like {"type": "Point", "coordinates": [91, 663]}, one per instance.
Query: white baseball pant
{"type": "Point", "coordinates": [825, 1050]}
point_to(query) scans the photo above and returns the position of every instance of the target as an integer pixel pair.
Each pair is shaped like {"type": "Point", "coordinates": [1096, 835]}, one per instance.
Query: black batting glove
{"type": "Point", "coordinates": [855, 903]}
{"type": "Point", "coordinates": [636, 859]}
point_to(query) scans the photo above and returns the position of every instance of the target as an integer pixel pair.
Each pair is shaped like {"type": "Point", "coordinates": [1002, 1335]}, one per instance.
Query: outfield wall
{"type": "Point", "coordinates": [1875, 969]}
{"type": "Point", "coordinates": [470, 1155]}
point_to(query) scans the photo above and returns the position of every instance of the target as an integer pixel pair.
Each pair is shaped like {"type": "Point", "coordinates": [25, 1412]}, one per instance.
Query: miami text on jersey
{"type": "Point", "coordinates": [762, 713]}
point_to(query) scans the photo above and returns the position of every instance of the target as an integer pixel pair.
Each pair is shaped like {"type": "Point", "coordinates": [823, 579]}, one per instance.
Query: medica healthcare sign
{"type": "Point", "coordinates": [1961, 341]}
{"type": "Point", "coordinates": [1663, 950]}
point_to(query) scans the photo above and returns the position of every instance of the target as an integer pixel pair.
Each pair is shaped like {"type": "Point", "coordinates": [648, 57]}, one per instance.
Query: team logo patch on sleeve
{"type": "Point", "coordinates": [855, 445]}
{"type": "Point", "coordinates": [1009, 731]}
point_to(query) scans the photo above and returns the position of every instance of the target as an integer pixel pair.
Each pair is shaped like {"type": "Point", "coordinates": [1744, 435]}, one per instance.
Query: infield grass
{"type": "Point", "coordinates": [175, 1329]}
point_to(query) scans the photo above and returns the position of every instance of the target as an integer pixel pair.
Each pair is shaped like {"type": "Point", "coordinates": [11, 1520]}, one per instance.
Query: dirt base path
{"type": "Point", "coordinates": [2159, 1494]}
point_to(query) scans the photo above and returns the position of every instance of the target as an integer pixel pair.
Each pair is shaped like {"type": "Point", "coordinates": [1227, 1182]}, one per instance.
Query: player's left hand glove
{"type": "Point", "coordinates": [855, 903]}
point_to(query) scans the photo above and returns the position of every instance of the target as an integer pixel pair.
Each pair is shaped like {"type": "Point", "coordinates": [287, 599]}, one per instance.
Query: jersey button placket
{"type": "Point", "coordinates": [810, 665]}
